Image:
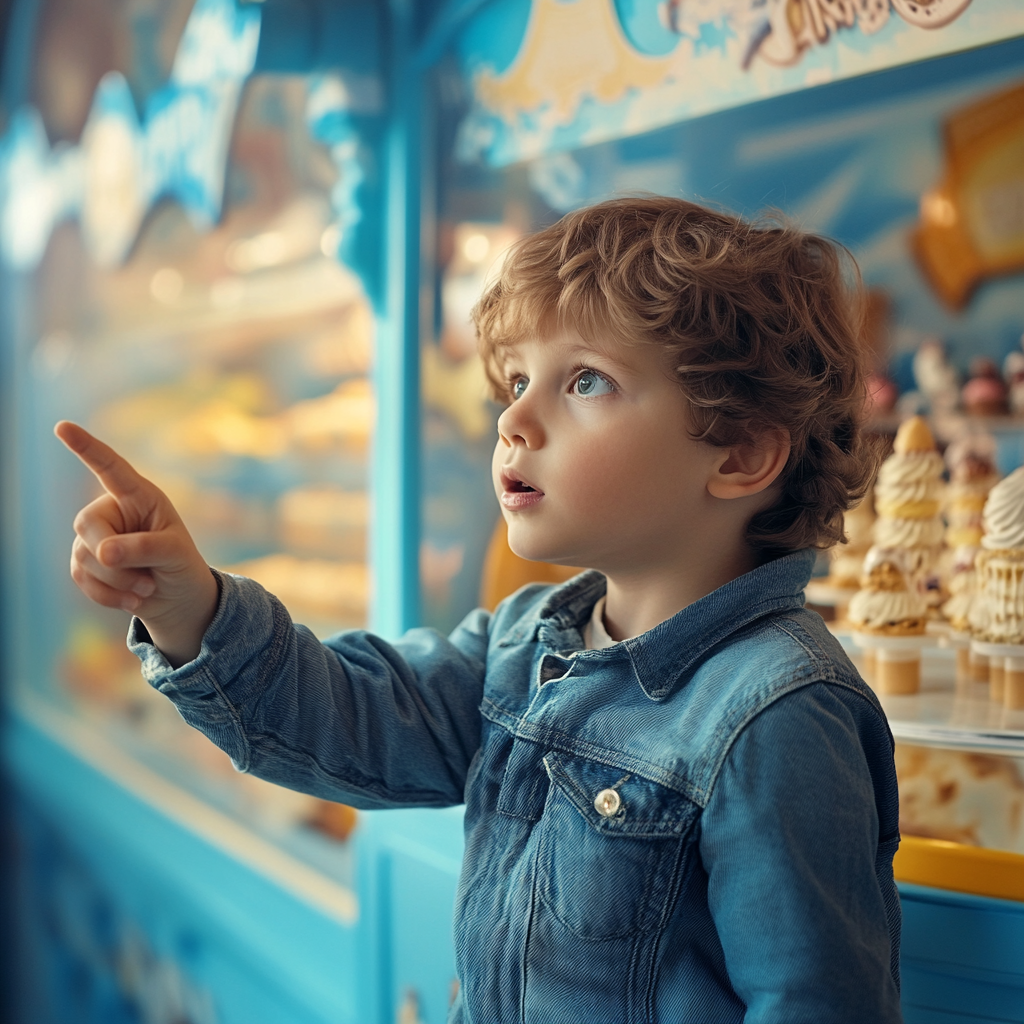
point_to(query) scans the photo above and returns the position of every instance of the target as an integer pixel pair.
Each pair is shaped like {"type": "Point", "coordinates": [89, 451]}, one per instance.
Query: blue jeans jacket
{"type": "Point", "coordinates": [695, 825]}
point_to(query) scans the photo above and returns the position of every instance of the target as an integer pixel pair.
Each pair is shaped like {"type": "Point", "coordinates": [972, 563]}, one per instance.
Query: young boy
{"type": "Point", "coordinates": [680, 796]}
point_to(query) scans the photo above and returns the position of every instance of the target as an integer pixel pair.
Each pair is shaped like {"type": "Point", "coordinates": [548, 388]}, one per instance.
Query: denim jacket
{"type": "Point", "coordinates": [694, 825]}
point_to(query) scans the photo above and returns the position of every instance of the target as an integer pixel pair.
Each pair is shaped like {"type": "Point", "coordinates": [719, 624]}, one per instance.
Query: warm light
{"type": "Point", "coordinates": [476, 247]}
{"type": "Point", "coordinates": [938, 209]}
{"type": "Point", "coordinates": [258, 252]}
{"type": "Point", "coordinates": [329, 242]}
{"type": "Point", "coordinates": [53, 353]}
{"type": "Point", "coordinates": [166, 285]}
{"type": "Point", "coordinates": [227, 292]}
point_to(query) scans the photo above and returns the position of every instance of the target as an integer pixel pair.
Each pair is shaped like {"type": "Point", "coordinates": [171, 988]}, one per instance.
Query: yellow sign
{"type": "Point", "coordinates": [972, 222]}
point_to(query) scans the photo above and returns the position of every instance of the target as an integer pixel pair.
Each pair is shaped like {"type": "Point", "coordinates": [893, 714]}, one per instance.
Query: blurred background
{"type": "Point", "coordinates": [241, 241]}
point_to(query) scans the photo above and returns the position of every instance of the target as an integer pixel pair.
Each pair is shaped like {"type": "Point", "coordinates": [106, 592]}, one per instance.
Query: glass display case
{"type": "Point", "coordinates": [171, 222]}
{"type": "Point", "coordinates": [231, 367]}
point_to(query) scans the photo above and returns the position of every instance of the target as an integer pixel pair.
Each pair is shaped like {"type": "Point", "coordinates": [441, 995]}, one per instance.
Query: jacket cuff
{"type": "Point", "coordinates": [243, 607]}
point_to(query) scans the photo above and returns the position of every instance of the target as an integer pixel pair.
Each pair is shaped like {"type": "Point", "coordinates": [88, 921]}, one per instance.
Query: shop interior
{"type": "Point", "coordinates": [241, 243]}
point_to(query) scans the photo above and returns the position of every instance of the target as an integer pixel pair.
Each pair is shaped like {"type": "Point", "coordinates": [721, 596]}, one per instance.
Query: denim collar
{"type": "Point", "coordinates": [664, 657]}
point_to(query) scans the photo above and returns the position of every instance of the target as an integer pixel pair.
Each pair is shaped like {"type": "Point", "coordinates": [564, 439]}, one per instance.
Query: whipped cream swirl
{"type": "Point", "coordinates": [1003, 518]}
{"type": "Point", "coordinates": [877, 608]}
{"type": "Point", "coordinates": [907, 479]}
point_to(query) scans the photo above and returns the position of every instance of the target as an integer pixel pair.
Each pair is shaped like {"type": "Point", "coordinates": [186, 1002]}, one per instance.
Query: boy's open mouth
{"type": "Point", "coordinates": [518, 493]}
{"type": "Point", "coordinates": [512, 482]}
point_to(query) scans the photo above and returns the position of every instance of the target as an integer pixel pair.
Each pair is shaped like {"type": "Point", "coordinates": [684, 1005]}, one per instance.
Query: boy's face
{"type": "Point", "coordinates": [594, 464]}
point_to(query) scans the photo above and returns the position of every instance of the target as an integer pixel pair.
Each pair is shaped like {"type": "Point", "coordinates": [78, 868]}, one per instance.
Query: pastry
{"type": "Point", "coordinates": [908, 500]}
{"type": "Point", "coordinates": [847, 560]}
{"type": "Point", "coordinates": [887, 609]}
{"type": "Point", "coordinates": [1000, 563]}
{"type": "Point", "coordinates": [963, 586]}
{"type": "Point", "coordinates": [972, 474]}
{"type": "Point", "coordinates": [888, 603]}
{"type": "Point", "coordinates": [985, 394]}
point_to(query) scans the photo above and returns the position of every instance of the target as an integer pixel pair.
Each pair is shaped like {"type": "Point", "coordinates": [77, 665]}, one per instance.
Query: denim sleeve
{"type": "Point", "coordinates": [790, 840]}
{"type": "Point", "coordinates": [352, 719]}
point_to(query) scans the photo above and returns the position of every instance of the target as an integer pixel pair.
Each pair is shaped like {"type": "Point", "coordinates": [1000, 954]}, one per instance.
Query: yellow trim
{"type": "Point", "coordinates": [972, 869]}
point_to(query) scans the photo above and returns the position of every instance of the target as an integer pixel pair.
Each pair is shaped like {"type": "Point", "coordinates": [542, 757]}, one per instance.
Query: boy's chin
{"type": "Point", "coordinates": [533, 549]}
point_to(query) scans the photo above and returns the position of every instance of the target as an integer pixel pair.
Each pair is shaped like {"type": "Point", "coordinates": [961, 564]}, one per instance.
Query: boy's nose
{"type": "Point", "coordinates": [517, 425]}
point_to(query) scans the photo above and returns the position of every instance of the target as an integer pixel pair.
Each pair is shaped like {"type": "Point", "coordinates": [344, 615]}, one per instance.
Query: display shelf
{"type": "Point", "coordinates": [204, 818]}
{"type": "Point", "coordinates": [123, 857]}
{"type": "Point", "coordinates": [946, 713]}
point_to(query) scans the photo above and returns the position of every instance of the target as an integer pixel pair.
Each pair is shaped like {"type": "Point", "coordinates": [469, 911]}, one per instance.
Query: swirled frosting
{"type": "Point", "coordinates": [888, 597]}
{"type": "Point", "coordinates": [909, 485]}
{"type": "Point", "coordinates": [857, 524]}
{"type": "Point", "coordinates": [963, 588]}
{"type": "Point", "coordinates": [1003, 518]}
{"type": "Point", "coordinates": [875, 609]}
{"type": "Point", "coordinates": [908, 533]}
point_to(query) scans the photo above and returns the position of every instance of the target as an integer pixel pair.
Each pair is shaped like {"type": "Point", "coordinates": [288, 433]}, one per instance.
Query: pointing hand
{"type": "Point", "coordinates": [132, 551]}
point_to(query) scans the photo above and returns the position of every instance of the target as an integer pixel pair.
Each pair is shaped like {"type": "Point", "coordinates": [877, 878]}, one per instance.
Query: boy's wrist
{"type": "Point", "coordinates": [178, 633]}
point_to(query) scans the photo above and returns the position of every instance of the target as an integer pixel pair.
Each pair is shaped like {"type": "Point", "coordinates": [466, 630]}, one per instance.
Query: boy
{"type": "Point", "coordinates": [680, 797]}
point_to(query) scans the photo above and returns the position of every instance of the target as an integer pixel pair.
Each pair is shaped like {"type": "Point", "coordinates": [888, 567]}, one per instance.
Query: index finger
{"type": "Point", "coordinates": [115, 473]}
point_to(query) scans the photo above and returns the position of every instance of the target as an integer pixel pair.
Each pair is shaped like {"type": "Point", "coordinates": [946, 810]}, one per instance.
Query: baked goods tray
{"type": "Point", "coordinates": [947, 713]}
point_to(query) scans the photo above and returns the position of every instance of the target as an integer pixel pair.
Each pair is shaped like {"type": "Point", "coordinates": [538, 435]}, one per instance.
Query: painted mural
{"type": "Point", "coordinates": [972, 220]}
{"type": "Point", "coordinates": [558, 74]}
{"type": "Point", "coordinates": [859, 160]}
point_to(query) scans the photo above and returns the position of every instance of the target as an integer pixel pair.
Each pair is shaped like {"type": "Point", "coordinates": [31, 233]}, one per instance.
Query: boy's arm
{"type": "Point", "coordinates": [359, 720]}
{"type": "Point", "coordinates": [790, 842]}
{"type": "Point", "coordinates": [354, 718]}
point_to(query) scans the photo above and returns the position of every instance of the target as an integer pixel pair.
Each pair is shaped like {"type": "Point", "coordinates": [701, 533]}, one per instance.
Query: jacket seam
{"type": "Point", "coordinates": [379, 793]}
{"type": "Point", "coordinates": [236, 719]}
{"type": "Point", "coordinates": [567, 744]}
{"type": "Point", "coordinates": [800, 685]}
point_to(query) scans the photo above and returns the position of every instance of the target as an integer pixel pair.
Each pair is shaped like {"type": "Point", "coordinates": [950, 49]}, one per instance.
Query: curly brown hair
{"type": "Point", "coordinates": [762, 321]}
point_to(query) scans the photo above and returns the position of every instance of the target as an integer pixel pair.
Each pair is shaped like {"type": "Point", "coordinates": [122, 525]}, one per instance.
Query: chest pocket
{"type": "Point", "coordinates": [612, 848]}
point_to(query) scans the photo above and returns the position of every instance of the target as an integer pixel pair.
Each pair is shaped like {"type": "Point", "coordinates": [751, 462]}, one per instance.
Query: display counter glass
{"type": "Point", "coordinates": [229, 362]}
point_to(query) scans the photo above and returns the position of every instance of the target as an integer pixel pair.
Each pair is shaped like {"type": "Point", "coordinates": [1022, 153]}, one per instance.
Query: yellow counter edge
{"type": "Point", "coordinates": [971, 869]}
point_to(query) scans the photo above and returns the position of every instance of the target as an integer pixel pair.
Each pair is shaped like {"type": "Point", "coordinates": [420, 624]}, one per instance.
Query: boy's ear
{"type": "Point", "coordinates": [748, 469]}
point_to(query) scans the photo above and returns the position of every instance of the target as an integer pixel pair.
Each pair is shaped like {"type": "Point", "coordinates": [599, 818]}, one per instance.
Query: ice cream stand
{"type": "Point", "coordinates": [241, 241]}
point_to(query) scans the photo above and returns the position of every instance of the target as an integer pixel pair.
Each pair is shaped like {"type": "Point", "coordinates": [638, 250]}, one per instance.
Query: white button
{"type": "Point", "coordinates": [607, 803]}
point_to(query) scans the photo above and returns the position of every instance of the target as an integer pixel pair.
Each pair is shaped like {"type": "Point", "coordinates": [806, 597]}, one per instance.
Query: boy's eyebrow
{"type": "Point", "coordinates": [580, 350]}
{"type": "Point", "coordinates": [607, 352]}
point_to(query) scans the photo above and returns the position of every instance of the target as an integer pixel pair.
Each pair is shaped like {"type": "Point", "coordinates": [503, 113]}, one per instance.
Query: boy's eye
{"type": "Point", "coordinates": [519, 387]}
{"type": "Point", "coordinates": [590, 384]}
